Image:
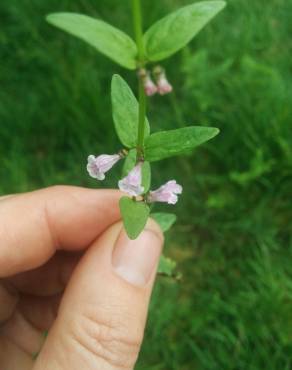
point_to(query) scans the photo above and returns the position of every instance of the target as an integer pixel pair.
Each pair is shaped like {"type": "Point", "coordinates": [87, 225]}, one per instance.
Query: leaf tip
{"type": "Point", "coordinates": [164, 220]}
{"type": "Point", "coordinates": [216, 131]}
{"type": "Point", "coordinates": [49, 17]}
{"type": "Point", "coordinates": [223, 4]}
{"type": "Point", "coordinates": [116, 76]}
{"type": "Point", "coordinates": [220, 4]}
{"type": "Point", "coordinates": [54, 18]}
{"type": "Point", "coordinates": [116, 79]}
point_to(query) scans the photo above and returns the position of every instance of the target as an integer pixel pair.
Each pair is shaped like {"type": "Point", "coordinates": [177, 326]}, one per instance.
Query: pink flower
{"type": "Point", "coordinates": [163, 86]}
{"type": "Point", "coordinates": [149, 86]}
{"type": "Point", "coordinates": [166, 193]}
{"type": "Point", "coordinates": [98, 166]}
{"type": "Point", "coordinates": [132, 184]}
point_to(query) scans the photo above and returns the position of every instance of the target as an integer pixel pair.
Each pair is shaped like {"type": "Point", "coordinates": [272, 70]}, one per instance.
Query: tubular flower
{"type": "Point", "coordinates": [132, 184]}
{"type": "Point", "coordinates": [163, 85]}
{"type": "Point", "coordinates": [98, 166]}
{"type": "Point", "coordinates": [166, 193]}
{"type": "Point", "coordinates": [149, 86]}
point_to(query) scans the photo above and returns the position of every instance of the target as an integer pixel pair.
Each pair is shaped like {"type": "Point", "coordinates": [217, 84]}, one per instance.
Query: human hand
{"type": "Point", "coordinates": [69, 237]}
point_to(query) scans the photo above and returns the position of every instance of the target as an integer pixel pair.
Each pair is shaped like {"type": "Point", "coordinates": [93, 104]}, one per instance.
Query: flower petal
{"type": "Point", "coordinates": [98, 166]}
{"type": "Point", "coordinates": [167, 193]}
{"type": "Point", "coordinates": [132, 183]}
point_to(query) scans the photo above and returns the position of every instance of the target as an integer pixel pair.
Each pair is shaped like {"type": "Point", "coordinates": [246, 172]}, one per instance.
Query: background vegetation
{"type": "Point", "coordinates": [233, 240]}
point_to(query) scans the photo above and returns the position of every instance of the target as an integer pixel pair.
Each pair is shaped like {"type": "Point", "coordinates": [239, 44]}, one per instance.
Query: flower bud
{"type": "Point", "coordinates": [163, 86]}
{"type": "Point", "coordinates": [149, 86]}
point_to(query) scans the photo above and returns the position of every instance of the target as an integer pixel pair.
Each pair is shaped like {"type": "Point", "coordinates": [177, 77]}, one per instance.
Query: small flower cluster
{"type": "Point", "coordinates": [161, 84]}
{"type": "Point", "coordinates": [132, 183]}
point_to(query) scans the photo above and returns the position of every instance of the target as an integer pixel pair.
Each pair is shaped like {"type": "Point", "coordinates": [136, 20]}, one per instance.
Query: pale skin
{"type": "Point", "coordinates": [66, 266]}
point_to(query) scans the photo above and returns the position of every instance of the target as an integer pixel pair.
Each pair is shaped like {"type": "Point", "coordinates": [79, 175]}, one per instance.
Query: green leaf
{"type": "Point", "coordinates": [166, 266]}
{"type": "Point", "coordinates": [130, 163]}
{"type": "Point", "coordinates": [125, 112]}
{"type": "Point", "coordinates": [107, 39]}
{"type": "Point", "coordinates": [176, 30]}
{"type": "Point", "coordinates": [164, 220]}
{"type": "Point", "coordinates": [166, 144]}
{"type": "Point", "coordinates": [135, 215]}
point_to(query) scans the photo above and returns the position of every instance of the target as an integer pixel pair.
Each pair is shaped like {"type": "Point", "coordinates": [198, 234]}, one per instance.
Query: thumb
{"type": "Point", "coordinates": [102, 316]}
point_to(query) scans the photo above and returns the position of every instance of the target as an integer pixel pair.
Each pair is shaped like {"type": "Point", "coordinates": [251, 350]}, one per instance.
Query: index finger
{"type": "Point", "coordinates": [34, 225]}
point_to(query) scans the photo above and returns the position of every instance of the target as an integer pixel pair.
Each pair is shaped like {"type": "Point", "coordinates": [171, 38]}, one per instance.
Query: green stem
{"type": "Point", "coordinates": [137, 18]}
{"type": "Point", "coordinates": [141, 126]}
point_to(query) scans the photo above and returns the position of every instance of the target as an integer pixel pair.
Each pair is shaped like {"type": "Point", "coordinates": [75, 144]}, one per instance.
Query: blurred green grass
{"type": "Point", "coordinates": [233, 309]}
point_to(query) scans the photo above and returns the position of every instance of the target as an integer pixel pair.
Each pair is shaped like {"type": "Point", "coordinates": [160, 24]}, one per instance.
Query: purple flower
{"type": "Point", "coordinates": [98, 166]}
{"type": "Point", "coordinates": [166, 193]}
{"type": "Point", "coordinates": [132, 184]}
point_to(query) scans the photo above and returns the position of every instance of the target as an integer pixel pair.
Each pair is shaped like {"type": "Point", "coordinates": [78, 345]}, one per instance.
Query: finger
{"type": "Point", "coordinates": [27, 324]}
{"type": "Point", "coordinates": [102, 316]}
{"type": "Point", "coordinates": [48, 279]}
{"type": "Point", "coordinates": [34, 225]}
{"type": "Point", "coordinates": [40, 312]}
{"type": "Point", "coordinates": [12, 357]}
{"type": "Point", "coordinates": [8, 301]}
{"type": "Point", "coordinates": [5, 197]}
{"type": "Point", "coordinates": [20, 332]}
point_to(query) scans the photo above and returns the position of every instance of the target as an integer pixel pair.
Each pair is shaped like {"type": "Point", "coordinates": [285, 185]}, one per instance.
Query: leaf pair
{"type": "Point", "coordinates": [159, 145]}
{"type": "Point", "coordinates": [162, 39]}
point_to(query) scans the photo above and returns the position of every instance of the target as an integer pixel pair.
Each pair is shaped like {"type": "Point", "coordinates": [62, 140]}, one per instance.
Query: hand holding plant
{"type": "Point", "coordinates": [140, 148]}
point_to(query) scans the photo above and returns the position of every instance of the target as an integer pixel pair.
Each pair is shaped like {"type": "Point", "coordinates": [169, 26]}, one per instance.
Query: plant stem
{"type": "Point", "coordinates": [141, 126]}
{"type": "Point", "coordinates": [137, 18]}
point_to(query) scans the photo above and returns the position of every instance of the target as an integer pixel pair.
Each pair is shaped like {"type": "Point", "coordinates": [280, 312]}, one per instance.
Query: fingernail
{"type": "Point", "coordinates": [135, 260]}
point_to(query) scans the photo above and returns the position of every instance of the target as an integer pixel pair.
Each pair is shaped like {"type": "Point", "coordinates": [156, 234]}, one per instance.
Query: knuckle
{"type": "Point", "coordinates": [108, 340]}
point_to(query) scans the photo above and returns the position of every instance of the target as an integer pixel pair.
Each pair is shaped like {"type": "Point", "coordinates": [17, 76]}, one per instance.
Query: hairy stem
{"type": "Point", "coordinates": [137, 18]}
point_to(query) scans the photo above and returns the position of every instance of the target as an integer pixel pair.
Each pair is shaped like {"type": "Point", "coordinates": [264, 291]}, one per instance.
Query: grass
{"type": "Point", "coordinates": [233, 309]}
